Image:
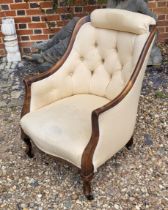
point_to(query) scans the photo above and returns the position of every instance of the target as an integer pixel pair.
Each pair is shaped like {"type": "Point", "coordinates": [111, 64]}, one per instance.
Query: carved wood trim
{"type": "Point", "coordinates": [29, 80]}
{"type": "Point", "coordinates": [87, 167]}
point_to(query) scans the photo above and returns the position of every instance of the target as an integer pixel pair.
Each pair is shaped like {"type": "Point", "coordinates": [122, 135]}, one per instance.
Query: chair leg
{"type": "Point", "coordinates": [27, 141]}
{"type": "Point", "coordinates": [130, 143]}
{"type": "Point", "coordinates": [87, 190]}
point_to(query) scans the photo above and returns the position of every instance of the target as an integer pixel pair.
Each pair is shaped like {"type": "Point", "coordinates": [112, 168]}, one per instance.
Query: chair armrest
{"type": "Point", "coordinates": [134, 75]}
{"type": "Point", "coordinates": [31, 79]}
{"type": "Point", "coordinates": [87, 157]}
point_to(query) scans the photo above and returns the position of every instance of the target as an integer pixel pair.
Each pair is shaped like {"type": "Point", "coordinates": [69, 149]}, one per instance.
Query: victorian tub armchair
{"type": "Point", "coordinates": [84, 108]}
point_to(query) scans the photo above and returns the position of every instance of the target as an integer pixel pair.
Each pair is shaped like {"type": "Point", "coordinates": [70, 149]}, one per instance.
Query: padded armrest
{"type": "Point", "coordinates": [28, 81]}
{"type": "Point", "coordinates": [111, 137]}
{"type": "Point", "coordinates": [116, 125]}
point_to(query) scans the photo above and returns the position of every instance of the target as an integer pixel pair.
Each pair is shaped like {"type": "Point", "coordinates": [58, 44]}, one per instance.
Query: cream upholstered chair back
{"type": "Point", "coordinates": [101, 61]}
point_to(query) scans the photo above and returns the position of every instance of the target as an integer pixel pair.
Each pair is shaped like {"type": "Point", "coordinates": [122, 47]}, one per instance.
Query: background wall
{"type": "Point", "coordinates": [36, 21]}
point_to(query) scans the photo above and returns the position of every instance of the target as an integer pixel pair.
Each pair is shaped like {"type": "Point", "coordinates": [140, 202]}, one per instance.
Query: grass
{"type": "Point", "coordinates": [160, 94]}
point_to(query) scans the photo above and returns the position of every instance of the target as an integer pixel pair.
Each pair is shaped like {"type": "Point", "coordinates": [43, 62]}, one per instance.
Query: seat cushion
{"type": "Point", "coordinates": [63, 128]}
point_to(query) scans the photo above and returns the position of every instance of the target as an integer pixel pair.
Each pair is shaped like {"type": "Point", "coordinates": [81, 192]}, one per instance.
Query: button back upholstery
{"type": "Point", "coordinates": [99, 67]}
{"type": "Point", "coordinates": [100, 63]}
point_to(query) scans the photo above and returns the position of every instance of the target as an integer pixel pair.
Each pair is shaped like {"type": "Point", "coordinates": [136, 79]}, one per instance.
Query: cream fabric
{"type": "Point", "coordinates": [121, 20]}
{"type": "Point", "coordinates": [116, 125]}
{"type": "Point", "coordinates": [63, 128]}
{"type": "Point", "coordinates": [96, 71]}
{"type": "Point", "coordinates": [100, 63]}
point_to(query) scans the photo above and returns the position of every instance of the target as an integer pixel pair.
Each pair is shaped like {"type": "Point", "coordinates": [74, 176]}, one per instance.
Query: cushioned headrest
{"type": "Point", "coordinates": [121, 20]}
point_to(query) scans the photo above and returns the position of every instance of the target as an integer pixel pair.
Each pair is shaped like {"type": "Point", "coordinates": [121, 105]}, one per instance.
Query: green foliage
{"type": "Point", "coordinates": [67, 4]}
{"type": "Point", "coordinates": [101, 1]}
{"type": "Point", "coordinates": [159, 94]}
{"type": "Point", "coordinates": [55, 3]}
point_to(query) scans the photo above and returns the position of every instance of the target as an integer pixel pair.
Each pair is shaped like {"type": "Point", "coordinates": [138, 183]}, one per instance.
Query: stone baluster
{"type": "Point", "coordinates": [10, 40]}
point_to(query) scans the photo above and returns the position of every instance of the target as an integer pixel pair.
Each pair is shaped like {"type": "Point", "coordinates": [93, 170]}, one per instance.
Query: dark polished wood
{"type": "Point", "coordinates": [27, 141]}
{"type": "Point", "coordinates": [87, 168]}
{"type": "Point", "coordinates": [130, 143]}
{"type": "Point", "coordinates": [87, 190]}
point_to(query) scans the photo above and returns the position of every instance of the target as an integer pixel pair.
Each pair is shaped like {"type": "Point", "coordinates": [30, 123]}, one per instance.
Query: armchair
{"type": "Point", "coordinates": [84, 108]}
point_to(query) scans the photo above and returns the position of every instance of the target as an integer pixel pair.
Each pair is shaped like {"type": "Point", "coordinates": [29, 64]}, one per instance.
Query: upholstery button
{"type": "Point", "coordinates": [71, 73]}
{"type": "Point", "coordinates": [96, 44]}
{"type": "Point", "coordinates": [82, 58]}
{"type": "Point", "coordinates": [102, 60]}
{"type": "Point", "coordinates": [92, 72]}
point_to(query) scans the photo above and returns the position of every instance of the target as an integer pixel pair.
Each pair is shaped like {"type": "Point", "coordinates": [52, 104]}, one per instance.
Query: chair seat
{"type": "Point", "coordinates": [63, 128]}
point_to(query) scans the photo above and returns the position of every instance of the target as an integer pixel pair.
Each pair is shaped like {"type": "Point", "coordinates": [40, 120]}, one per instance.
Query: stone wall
{"type": "Point", "coordinates": [35, 20]}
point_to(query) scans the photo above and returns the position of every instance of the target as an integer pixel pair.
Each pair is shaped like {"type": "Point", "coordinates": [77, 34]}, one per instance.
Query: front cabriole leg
{"type": "Point", "coordinates": [27, 141]}
{"type": "Point", "coordinates": [87, 167]}
{"type": "Point", "coordinates": [87, 190]}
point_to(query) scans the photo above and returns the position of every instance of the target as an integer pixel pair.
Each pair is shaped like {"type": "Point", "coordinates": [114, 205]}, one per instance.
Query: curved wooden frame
{"type": "Point", "coordinates": [87, 168]}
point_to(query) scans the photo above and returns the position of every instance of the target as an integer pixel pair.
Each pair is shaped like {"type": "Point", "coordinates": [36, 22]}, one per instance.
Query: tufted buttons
{"type": "Point", "coordinates": [70, 74]}
{"type": "Point", "coordinates": [111, 75]}
{"type": "Point", "coordinates": [81, 58]}
{"type": "Point", "coordinates": [92, 72]}
{"type": "Point", "coordinates": [102, 60]}
{"type": "Point", "coordinates": [96, 44]}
